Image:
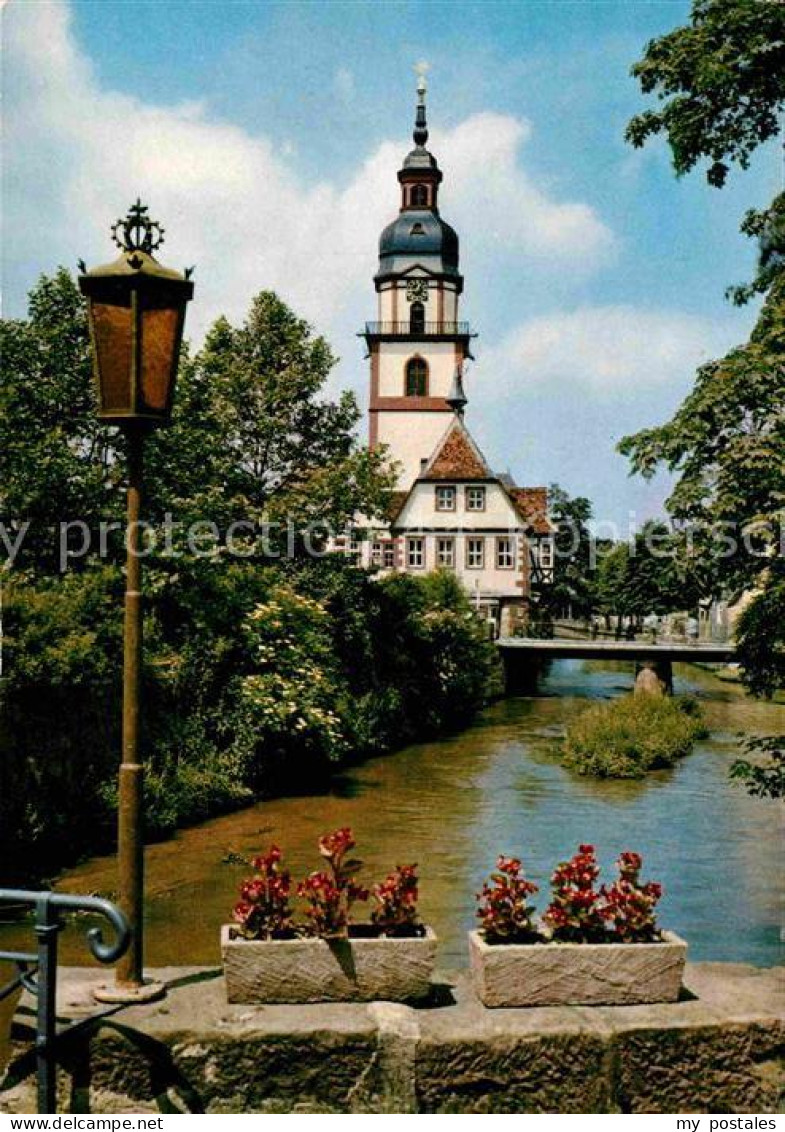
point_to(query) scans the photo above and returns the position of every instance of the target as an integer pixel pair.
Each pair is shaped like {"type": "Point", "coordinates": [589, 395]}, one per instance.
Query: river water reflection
{"type": "Point", "coordinates": [453, 805]}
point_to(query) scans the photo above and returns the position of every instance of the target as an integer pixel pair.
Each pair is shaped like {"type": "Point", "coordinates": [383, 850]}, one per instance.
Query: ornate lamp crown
{"type": "Point", "coordinates": [137, 232]}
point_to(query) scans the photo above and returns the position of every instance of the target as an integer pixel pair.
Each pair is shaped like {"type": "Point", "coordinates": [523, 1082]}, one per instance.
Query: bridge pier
{"type": "Point", "coordinates": [521, 674]}
{"type": "Point", "coordinates": [654, 678]}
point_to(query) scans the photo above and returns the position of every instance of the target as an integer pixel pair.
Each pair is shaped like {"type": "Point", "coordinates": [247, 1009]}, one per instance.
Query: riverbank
{"type": "Point", "coordinates": [261, 687]}
{"type": "Point", "coordinates": [453, 804]}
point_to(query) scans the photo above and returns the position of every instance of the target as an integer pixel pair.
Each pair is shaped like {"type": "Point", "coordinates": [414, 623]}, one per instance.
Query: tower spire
{"type": "Point", "coordinates": [420, 134]}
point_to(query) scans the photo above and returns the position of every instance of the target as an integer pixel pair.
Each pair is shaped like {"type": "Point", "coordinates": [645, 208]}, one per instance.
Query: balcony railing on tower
{"type": "Point", "coordinates": [410, 329]}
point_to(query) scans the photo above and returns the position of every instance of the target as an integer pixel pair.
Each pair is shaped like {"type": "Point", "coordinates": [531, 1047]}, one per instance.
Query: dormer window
{"type": "Point", "coordinates": [475, 498]}
{"type": "Point", "coordinates": [445, 498]}
{"type": "Point", "coordinates": [417, 230]}
{"type": "Point", "coordinates": [416, 377]}
{"type": "Point", "coordinates": [419, 196]}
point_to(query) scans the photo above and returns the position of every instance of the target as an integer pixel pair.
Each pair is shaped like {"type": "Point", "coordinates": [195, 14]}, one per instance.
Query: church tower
{"type": "Point", "coordinates": [418, 345]}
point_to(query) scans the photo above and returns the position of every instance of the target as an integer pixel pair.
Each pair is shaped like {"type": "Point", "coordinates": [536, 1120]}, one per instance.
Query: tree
{"type": "Point", "coordinates": [572, 590]}
{"type": "Point", "coordinates": [764, 780]}
{"type": "Point", "coordinates": [612, 579]}
{"type": "Point", "coordinates": [255, 440]}
{"type": "Point", "coordinates": [259, 672]}
{"type": "Point", "coordinates": [726, 444]}
{"type": "Point", "coordinates": [252, 437]}
{"type": "Point", "coordinates": [721, 84]}
{"type": "Point", "coordinates": [645, 576]}
{"type": "Point", "coordinates": [56, 460]}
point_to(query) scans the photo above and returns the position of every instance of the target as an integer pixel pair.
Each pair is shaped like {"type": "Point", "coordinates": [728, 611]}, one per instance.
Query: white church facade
{"type": "Point", "coordinates": [449, 510]}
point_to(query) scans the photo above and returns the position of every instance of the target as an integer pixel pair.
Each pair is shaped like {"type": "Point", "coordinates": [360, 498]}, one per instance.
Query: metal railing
{"type": "Point", "coordinates": [418, 330]}
{"type": "Point", "coordinates": [37, 970]}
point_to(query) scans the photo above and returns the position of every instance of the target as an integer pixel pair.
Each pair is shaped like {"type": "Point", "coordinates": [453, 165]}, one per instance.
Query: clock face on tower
{"type": "Point", "coordinates": [417, 291]}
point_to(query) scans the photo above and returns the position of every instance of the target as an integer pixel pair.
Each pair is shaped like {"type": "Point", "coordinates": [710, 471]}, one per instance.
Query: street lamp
{"type": "Point", "coordinates": [136, 311]}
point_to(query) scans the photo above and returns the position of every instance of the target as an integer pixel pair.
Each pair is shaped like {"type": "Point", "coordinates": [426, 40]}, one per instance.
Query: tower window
{"type": "Point", "coordinates": [416, 377]}
{"type": "Point", "coordinates": [417, 318]}
{"type": "Point", "coordinates": [419, 196]}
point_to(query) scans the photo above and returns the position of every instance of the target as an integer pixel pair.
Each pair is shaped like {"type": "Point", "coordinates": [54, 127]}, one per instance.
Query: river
{"type": "Point", "coordinates": [453, 805]}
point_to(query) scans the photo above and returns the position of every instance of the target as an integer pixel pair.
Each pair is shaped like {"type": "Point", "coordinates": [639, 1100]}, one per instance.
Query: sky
{"type": "Point", "coordinates": [266, 137]}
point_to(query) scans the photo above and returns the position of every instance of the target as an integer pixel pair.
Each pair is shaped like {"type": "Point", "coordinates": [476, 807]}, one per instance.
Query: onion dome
{"type": "Point", "coordinates": [418, 235]}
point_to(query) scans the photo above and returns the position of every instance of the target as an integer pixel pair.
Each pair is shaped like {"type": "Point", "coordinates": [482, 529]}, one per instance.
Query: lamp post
{"type": "Point", "coordinates": [136, 310]}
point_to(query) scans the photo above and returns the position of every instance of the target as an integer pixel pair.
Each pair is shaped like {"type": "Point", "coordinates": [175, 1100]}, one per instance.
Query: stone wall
{"type": "Point", "coordinates": [718, 1050]}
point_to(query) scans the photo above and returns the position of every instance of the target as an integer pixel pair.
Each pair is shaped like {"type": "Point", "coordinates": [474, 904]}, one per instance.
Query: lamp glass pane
{"type": "Point", "coordinates": [112, 332]}
{"type": "Point", "coordinates": [159, 344]}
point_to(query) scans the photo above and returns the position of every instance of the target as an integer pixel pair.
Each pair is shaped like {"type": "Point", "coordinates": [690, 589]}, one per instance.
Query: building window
{"type": "Point", "coordinates": [445, 553]}
{"type": "Point", "coordinates": [419, 196]}
{"type": "Point", "coordinates": [415, 553]}
{"type": "Point", "coordinates": [475, 553]}
{"type": "Point", "coordinates": [542, 554]}
{"type": "Point", "coordinates": [417, 318]}
{"type": "Point", "coordinates": [383, 553]}
{"type": "Point", "coordinates": [445, 498]}
{"type": "Point", "coordinates": [505, 553]}
{"type": "Point", "coordinates": [416, 377]}
{"type": "Point", "coordinates": [475, 498]}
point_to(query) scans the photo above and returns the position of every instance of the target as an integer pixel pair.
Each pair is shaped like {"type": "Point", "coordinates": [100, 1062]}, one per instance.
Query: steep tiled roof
{"type": "Point", "coordinates": [457, 457]}
{"type": "Point", "coordinates": [395, 506]}
{"type": "Point", "coordinates": [531, 503]}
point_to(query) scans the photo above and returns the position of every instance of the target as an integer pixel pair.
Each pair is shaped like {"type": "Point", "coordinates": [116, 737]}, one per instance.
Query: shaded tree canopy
{"type": "Point", "coordinates": [252, 438]}
{"type": "Point", "coordinates": [720, 83]}
{"type": "Point", "coordinates": [648, 575]}
{"type": "Point", "coordinates": [726, 442]}
{"type": "Point", "coordinates": [572, 588]}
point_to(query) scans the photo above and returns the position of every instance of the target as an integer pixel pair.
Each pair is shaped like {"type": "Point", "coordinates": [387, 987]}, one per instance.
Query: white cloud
{"type": "Point", "coordinates": [490, 187]}
{"type": "Point", "coordinates": [233, 203]}
{"type": "Point", "coordinates": [609, 350]}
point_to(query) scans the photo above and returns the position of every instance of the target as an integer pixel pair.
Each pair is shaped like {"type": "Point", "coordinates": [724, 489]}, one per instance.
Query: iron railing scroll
{"type": "Point", "coordinates": [37, 970]}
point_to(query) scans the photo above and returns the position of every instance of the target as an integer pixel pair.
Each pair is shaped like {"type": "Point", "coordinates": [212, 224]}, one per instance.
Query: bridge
{"type": "Point", "coordinates": [653, 660]}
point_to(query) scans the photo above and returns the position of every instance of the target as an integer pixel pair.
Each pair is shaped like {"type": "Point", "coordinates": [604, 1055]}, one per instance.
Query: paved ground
{"type": "Point", "coordinates": [718, 1050]}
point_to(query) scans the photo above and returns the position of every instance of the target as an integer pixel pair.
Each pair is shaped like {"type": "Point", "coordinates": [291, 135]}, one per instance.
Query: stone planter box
{"type": "Point", "coordinates": [336, 970]}
{"type": "Point", "coordinates": [595, 974]}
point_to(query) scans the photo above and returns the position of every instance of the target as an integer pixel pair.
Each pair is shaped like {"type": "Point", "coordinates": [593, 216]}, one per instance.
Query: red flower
{"type": "Point", "coordinates": [331, 895]}
{"type": "Point", "coordinates": [574, 912]}
{"type": "Point", "coordinates": [505, 915]}
{"type": "Point", "coordinates": [396, 902]}
{"type": "Point", "coordinates": [629, 906]}
{"type": "Point", "coordinates": [264, 908]}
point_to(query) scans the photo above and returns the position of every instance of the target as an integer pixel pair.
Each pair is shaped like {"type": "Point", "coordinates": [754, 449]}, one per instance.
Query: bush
{"type": "Point", "coordinates": [632, 735]}
{"type": "Point", "coordinates": [256, 681]}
